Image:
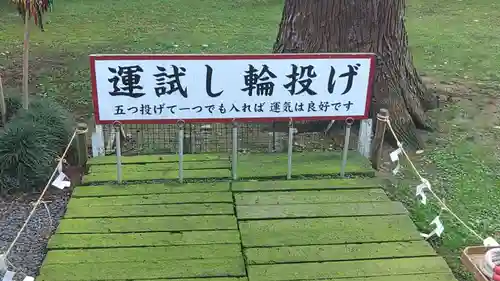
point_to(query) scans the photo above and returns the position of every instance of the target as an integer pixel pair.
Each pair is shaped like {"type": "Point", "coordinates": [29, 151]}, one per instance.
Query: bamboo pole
{"type": "Point", "coordinates": [378, 139]}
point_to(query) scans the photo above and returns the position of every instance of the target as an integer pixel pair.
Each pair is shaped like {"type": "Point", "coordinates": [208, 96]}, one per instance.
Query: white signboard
{"type": "Point", "coordinates": [225, 88]}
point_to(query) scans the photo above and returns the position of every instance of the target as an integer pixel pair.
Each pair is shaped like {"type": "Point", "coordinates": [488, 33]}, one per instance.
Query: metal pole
{"type": "Point", "coordinates": [181, 152]}
{"type": "Point", "coordinates": [290, 149]}
{"type": "Point", "coordinates": [234, 162]}
{"type": "Point", "coordinates": [118, 145]}
{"type": "Point", "coordinates": [349, 121]}
{"type": "Point", "coordinates": [273, 147]}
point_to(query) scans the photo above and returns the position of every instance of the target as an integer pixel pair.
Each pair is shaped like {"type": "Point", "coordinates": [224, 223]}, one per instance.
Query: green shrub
{"type": "Point", "coordinates": [53, 117]}
{"type": "Point", "coordinates": [30, 143]}
{"type": "Point", "coordinates": [13, 104]}
{"type": "Point", "coordinates": [8, 183]}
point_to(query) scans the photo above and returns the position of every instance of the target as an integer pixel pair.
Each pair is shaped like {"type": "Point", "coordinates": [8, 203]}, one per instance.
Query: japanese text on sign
{"type": "Point", "coordinates": [208, 88]}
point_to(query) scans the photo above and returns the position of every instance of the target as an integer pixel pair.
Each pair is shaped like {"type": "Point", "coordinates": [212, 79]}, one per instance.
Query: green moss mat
{"type": "Point", "coordinates": [158, 175]}
{"type": "Point", "coordinates": [320, 231]}
{"type": "Point", "coordinates": [146, 254]}
{"type": "Point", "coordinates": [145, 224]}
{"type": "Point", "coordinates": [348, 269]}
{"type": "Point", "coordinates": [137, 270]}
{"type": "Point", "coordinates": [110, 240]}
{"type": "Point", "coordinates": [318, 253]}
{"type": "Point", "coordinates": [292, 185]}
{"type": "Point", "coordinates": [269, 170]}
{"type": "Point", "coordinates": [151, 199]}
{"type": "Point", "coordinates": [196, 165]}
{"type": "Point", "coordinates": [319, 196]}
{"type": "Point", "coordinates": [173, 231]}
{"type": "Point", "coordinates": [103, 160]}
{"type": "Point", "coordinates": [139, 189]}
{"type": "Point", "coordinates": [307, 157]}
{"type": "Point", "coordinates": [310, 163]}
{"type": "Point", "coordinates": [413, 277]}
{"type": "Point", "coordinates": [209, 279]}
{"type": "Point", "coordinates": [249, 166]}
{"type": "Point", "coordinates": [320, 210]}
{"type": "Point", "coordinates": [150, 210]}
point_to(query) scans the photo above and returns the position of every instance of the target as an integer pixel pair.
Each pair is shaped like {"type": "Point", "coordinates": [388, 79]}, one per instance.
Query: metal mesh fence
{"type": "Point", "coordinates": [217, 138]}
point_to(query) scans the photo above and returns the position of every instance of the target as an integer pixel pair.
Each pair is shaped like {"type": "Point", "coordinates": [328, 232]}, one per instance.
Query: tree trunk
{"type": "Point", "coordinates": [26, 100]}
{"type": "Point", "coordinates": [374, 26]}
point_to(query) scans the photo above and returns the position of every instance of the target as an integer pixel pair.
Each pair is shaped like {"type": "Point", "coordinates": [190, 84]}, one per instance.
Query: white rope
{"type": "Point", "coordinates": [422, 179]}
{"type": "Point", "coordinates": [39, 201]}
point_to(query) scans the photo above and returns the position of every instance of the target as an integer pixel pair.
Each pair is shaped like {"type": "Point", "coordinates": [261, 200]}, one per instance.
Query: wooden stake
{"type": "Point", "coordinates": [81, 145]}
{"type": "Point", "coordinates": [378, 138]}
{"type": "Point", "coordinates": [26, 60]}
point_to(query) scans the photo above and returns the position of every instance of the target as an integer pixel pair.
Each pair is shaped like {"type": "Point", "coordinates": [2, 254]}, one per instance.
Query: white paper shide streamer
{"type": "Point", "coordinates": [395, 158]}
{"type": "Point", "coordinates": [422, 196]}
{"type": "Point", "coordinates": [3, 264]}
{"type": "Point", "coordinates": [61, 181]}
{"type": "Point", "coordinates": [490, 242]}
{"type": "Point", "coordinates": [421, 191]}
{"type": "Point", "coordinates": [9, 275]}
{"type": "Point", "coordinates": [438, 230]}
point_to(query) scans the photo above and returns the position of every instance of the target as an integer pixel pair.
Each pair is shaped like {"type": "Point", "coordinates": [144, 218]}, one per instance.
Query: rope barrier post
{"type": "Point", "coordinates": [378, 138]}
{"type": "Point", "coordinates": [181, 150]}
{"type": "Point", "coordinates": [290, 149]}
{"type": "Point", "coordinates": [349, 121]}
{"type": "Point", "coordinates": [234, 158]}
{"type": "Point", "coordinates": [81, 145]}
{"type": "Point", "coordinates": [118, 145]}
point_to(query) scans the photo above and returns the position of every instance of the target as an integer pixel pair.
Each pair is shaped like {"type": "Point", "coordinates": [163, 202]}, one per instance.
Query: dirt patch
{"type": "Point", "coordinates": [465, 105]}
{"type": "Point", "coordinates": [12, 71]}
{"type": "Point", "coordinates": [454, 91]}
{"type": "Point", "coordinates": [63, 77]}
{"type": "Point", "coordinates": [448, 88]}
{"type": "Point", "coordinates": [471, 102]}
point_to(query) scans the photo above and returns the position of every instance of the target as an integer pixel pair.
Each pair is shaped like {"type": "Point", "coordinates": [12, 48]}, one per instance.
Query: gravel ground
{"type": "Point", "coordinates": [29, 251]}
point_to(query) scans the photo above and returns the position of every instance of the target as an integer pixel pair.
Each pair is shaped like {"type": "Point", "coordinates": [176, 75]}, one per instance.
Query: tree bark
{"type": "Point", "coordinates": [372, 26]}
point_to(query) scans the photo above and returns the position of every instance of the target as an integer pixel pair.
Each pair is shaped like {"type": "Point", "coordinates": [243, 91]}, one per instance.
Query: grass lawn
{"type": "Point", "coordinates": [78, 28]}
{"type": "Point", "coordinates": [455, 45]}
